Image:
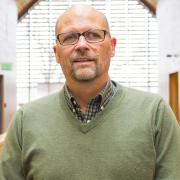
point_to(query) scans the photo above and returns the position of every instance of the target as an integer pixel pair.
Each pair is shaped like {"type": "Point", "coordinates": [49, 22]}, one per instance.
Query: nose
{"type": "Point", "coordinates": [82, 43]}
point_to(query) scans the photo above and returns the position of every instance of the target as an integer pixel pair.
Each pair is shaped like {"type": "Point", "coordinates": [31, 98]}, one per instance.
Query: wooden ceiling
{"type": "Point", "coordinates": [24, 5]}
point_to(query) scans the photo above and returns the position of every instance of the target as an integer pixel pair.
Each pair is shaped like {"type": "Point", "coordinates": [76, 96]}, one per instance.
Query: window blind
{"type": "Point", "coordinates": [135, 63]}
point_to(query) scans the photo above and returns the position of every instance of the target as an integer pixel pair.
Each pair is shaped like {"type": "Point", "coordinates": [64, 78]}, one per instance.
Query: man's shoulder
{"type": "Point", "coordinates": [136, 95]}
{"type": "Point", "coordinates": [46, 102]}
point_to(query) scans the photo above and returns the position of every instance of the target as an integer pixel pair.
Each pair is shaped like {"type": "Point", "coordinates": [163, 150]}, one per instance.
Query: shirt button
{"type": "Point", "coordinates": [102, 107]}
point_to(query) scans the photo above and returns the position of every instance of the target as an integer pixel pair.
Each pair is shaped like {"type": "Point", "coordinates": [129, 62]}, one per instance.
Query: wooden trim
{"type": "Point", "coordinates": [174, 93]}
{"type": "Point", "coordinates": [1, 103]}
{"type": "Point", "coordinates": [24, 10]}
{"type": "Point", "coordinates": [21, 12]}
{"type": "Point", "coordinates": [2, 139]}
{"type": "Point", "coordinates": [150, 5]}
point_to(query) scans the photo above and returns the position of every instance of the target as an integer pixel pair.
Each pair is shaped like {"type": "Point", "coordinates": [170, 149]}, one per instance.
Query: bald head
{"type": "Point", "coordinates": [81, 14]}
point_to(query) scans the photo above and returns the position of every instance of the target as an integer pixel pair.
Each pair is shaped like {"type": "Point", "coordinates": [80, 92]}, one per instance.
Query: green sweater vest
{"type": "Point", "coordinates": [136, 137]}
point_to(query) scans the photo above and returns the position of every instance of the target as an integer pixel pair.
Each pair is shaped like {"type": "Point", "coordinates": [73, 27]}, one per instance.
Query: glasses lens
{"type": "Point", "coordinates": [68, 38]}
{"type": "Point", "coordinates": [94, 35]}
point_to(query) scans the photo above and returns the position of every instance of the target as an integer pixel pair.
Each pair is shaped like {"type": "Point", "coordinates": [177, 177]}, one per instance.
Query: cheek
{"type": "Point", "coordinates": [105, 52]}
{"type": "Point", "coordinates": [63, 57]}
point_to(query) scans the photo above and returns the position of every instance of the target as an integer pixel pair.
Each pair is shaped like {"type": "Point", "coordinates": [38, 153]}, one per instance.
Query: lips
{"type": "Point", "coordinates": [82, 60]}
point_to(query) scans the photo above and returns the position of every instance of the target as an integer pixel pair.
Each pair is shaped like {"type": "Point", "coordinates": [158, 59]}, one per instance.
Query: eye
{"type": "Point", "coordinates": [93, 35]}
{"type": "Point", "coordinates": [69, 38]}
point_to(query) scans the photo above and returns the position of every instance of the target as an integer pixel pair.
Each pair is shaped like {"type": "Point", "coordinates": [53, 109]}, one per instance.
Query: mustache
{"type": "Point", "coordinates": [82, 58]}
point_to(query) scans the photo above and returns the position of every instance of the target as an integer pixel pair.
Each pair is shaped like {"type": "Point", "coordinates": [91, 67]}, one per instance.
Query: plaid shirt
{"type": "Point", "coordinates": [96, 104]}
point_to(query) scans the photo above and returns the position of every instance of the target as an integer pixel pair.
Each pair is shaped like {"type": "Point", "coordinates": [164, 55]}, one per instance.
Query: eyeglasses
{"type": "Point", "coordinates": [91, 36]}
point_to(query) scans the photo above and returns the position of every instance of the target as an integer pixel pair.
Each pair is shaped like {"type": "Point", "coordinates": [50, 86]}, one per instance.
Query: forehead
{"type": "Point", "coordinates": [80, 20]}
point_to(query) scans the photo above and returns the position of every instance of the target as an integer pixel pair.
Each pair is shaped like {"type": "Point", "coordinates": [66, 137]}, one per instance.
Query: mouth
{"type": "Point", "coordinates": [83, 61]}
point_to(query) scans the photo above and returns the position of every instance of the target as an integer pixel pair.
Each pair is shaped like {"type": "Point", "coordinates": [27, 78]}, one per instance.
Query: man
{"type": "Point", "coordinates": [93, 129]}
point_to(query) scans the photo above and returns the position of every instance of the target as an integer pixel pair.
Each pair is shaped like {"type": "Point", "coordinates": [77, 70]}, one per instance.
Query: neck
{"type": "Point", "coordinates": [85, 91]}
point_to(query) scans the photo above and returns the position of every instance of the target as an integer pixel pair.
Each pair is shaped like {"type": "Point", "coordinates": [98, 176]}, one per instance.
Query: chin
{"type": "Point", "coordinates": [85, 76]}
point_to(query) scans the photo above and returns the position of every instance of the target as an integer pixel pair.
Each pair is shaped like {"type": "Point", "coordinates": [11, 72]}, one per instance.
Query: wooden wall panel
{"type": "Point", "coordinates": [174, 93]}
{"type": "Point", "coordinates": [2, 139]}
{"type": "Point", "coordinates": [1, 103]}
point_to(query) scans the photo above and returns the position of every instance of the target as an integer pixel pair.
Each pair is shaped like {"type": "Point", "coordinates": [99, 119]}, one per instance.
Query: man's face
{"type": "Point", "coordinates": [84, 61]}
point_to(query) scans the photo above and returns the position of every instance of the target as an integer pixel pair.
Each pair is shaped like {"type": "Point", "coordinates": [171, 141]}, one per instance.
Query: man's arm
{"type": "Point", "coordinates": [11, 157]}
{"type": "Point", "coordinates": [167, 144]}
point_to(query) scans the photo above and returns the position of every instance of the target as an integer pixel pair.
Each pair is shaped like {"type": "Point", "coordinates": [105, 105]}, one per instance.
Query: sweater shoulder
{"type": "Point", "coordinates": [47, 102]}
{"type": "Point", "coordinates": [138, 96]}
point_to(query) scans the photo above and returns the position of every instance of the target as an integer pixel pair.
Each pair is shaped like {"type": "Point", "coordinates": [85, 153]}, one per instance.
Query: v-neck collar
{"type": "Point", "coordinates": [101, 116]}
{"type": "Point", "coordinates": [96, 104]}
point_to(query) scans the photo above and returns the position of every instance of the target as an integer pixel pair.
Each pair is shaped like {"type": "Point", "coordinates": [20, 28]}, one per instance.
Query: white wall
{"type": "Point", "coordinates": [168, 15]}
{"type": "Point", "coordinates": [8, 21]}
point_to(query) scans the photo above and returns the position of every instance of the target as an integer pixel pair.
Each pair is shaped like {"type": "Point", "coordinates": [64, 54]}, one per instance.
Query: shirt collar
{"type": "Point", "coordinates": [104, 95]}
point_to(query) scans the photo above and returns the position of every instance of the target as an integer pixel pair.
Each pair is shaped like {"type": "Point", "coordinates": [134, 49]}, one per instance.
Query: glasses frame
{"type": "Point", "coordinates": [84, 35]}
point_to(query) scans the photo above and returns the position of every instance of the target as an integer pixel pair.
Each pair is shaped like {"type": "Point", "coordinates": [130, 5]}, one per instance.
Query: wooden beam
{"type": "Point", "coordinates": [24, 7]}
{"type": "Point", "coordinates": [151, 4]}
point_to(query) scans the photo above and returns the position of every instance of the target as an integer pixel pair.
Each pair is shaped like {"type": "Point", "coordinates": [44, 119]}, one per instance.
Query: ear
{"type": "Point", "coordinates": [113, 46]}
{"type": "Point", "coordinates": [56, 54]}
